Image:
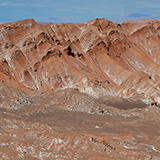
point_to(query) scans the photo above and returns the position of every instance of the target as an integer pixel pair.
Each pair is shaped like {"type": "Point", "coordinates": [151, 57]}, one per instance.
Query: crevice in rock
{"type": "Point", "coordinates": [70, 53]}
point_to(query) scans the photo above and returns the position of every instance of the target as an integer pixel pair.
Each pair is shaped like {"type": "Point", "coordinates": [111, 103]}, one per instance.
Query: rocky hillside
{"type": "Point", "coordinates": [98, 58]}
{"type": "Point", "coordinates": [80, 91]}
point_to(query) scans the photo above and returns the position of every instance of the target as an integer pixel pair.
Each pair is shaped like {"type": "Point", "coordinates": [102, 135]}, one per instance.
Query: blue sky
{"type": "Point", "coordinates": [63, 11]}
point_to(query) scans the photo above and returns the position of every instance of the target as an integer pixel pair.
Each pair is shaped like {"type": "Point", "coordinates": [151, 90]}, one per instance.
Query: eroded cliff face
{"type": "Point", "coordinates": [98, 57]}
{"type": "Point", "coordinates": [80, 91]}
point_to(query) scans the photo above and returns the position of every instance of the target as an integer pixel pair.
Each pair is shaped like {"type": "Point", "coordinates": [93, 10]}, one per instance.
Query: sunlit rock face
{"type": "Point", "coordinates": [75, 91]}
{"type": "Point", "coordinates": [98, 57]}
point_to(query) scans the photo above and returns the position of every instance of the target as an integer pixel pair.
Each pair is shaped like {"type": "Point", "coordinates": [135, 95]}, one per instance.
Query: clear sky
{"type": "Point", "coordinates": [62, 11]}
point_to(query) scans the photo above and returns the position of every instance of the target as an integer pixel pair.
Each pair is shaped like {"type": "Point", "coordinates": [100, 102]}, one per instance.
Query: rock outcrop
{"type": "Point", "coordinates": [80, 91]}
{"type": "Point", "coordinates": [98, 57]}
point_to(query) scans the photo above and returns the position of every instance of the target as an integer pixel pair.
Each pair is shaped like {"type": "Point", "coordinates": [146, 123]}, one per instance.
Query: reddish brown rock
{"type": "Point", "coordinates": [97, 53]}
{"type": "Point", "coordinates": [104, 69]}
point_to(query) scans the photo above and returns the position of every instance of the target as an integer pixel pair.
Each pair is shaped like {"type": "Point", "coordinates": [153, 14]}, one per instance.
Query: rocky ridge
{"type": "Point", "coordinates": [98, 57]}
{"type": "Point", "coordinates": [80, 91]}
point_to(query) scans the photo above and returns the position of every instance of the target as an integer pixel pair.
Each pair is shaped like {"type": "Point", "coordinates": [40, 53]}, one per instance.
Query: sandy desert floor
{"type": "Point", "coordinates": [54, 132]}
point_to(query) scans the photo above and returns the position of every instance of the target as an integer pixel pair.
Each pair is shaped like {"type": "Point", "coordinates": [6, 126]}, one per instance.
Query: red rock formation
{"type": "Point", "coordinates": [79, 67]}
{"type": "Point", "coordinates": [98, 57]}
